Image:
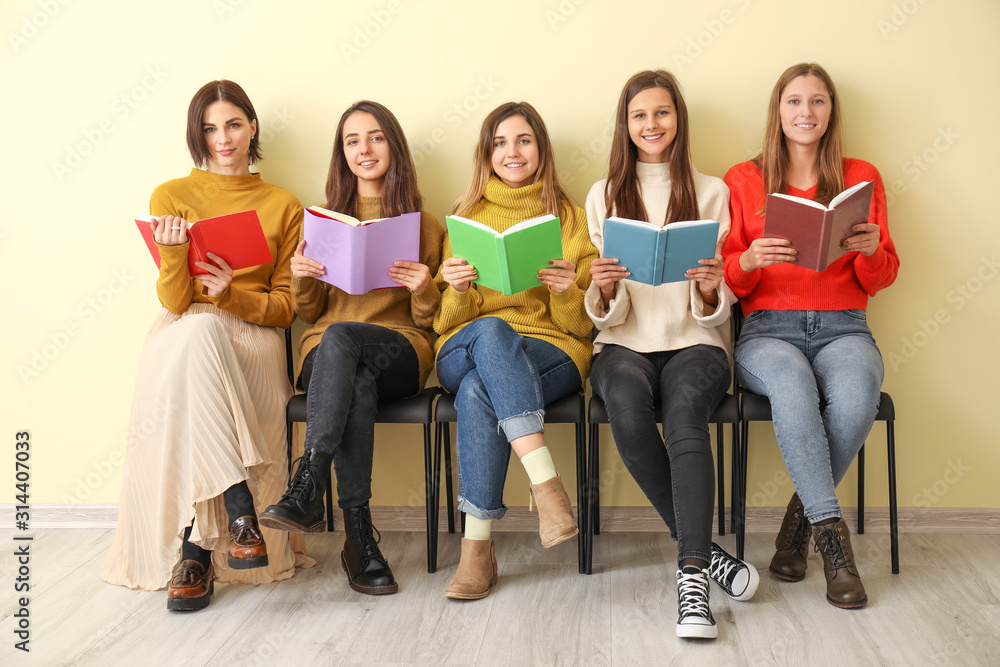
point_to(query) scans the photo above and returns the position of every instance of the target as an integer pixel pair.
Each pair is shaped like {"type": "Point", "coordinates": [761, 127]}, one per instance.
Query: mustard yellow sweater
{"type": "Point", "coordinates": [258, 294]}
{"type": "Point", "coordinates": [321, 304]}
{"type": "Point", "coordinates": [559, 319]}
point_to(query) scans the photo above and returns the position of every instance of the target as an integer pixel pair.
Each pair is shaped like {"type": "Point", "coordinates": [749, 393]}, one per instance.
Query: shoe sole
{"type": "Point", "coordinates": [367, 590]}
{"type": "Point", "coordinates": [191, 604]}
{"type": "Point", "coordinates": [471, 596]}
{"type": "Point", "coordinates": [751, 586]}
{"type": "Point", "coordinates": [848, 605]}
{"type": "Point", "coordinates": [561, 539]}
{"type": "Point", "coordinates": [785, 577]}
{"type": "Point", "coordinates": [247, 563]}
{"type": "Point", "coordinates": [279, 523]}
{"type": "Point", "coordinates": [698, 631]}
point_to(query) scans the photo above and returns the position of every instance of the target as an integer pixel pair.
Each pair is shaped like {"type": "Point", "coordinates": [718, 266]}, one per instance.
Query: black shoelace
{"type": "Point", "coordinates": [832, 545]}
{"type": "Point", "coordinates": [364, 532]}
{"type": "Point", "coordinates": [303, 487]}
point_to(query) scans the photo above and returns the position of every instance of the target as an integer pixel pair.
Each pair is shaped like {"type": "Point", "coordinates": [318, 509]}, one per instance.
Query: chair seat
{"type": "Point", "coordinates": [565, 410]}
{"type": "Point", "coordinates": [417, 409]}
{"type": "Point", "coordinates": [757, 408]}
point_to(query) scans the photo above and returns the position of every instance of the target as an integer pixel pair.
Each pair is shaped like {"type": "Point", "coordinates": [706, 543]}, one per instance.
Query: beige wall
{"type": "Point", "coordinates": [94, 100]}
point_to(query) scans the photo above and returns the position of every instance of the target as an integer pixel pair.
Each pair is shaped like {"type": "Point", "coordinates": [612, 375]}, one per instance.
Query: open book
{"type": "Point", "coordinates": [817, 231]}
{"type": "Point", "coordinates": [357, 256]}
{"type": "Point", "coordinates": [508, 261]}
{"type": "Point", "coordinates": [658, 255]}
{"type": "Point", "coordinates": [236, 237]}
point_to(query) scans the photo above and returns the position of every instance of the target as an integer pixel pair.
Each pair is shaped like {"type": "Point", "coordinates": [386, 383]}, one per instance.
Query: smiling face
{"type": "Point", "coordinates": [367, 152]}
{"type": "Point", "coordinates": [805, 108]}
{"type": "Point", "coordinates": [652, 124]}
{"type": "Point", "coordinates": [515, 152]}
{"type": "Point", "coordinates": [227, 137]}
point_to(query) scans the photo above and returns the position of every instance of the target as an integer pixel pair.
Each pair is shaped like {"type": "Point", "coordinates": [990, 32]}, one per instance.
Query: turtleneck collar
{"type": "Point", "coordinates": [651, 173]}
{"type": "Point", "coordinates": [226, 182]}
{"type": "Point", "coordinates": [514, 203]}
{"type": "Point", "coordinates": [369, 207]}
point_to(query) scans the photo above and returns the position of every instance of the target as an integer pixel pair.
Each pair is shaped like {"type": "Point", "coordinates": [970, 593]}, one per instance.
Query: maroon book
{"type": "Point", "coordinates": [236, 237]}
{"type": "Point", "coordinates": [817, 232]}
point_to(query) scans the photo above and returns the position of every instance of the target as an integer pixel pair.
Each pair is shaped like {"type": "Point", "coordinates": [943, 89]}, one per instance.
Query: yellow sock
{"type": "Point", "coordinates": [477, 529]}
{"type": "Point", "coordinates": [539, 466]}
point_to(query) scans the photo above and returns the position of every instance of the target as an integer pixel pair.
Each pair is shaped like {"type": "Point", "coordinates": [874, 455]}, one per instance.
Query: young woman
{"type": "Point", "coordinates": [505, 357]}
{"type": "Point", "coordinates": [207, 432]}
{"type": "Point", "coordinates": [805, 343]}
{"type": "Point", "coordinates": [359, 348]}
{"type": "Point", "coordinates": [665, 344]}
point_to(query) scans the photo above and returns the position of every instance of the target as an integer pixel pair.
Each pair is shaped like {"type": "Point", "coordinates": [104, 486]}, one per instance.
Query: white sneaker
{"type": "Point", "coordinates": [737, 579]}
{"type": "Point", "coordinates": [694, 617]}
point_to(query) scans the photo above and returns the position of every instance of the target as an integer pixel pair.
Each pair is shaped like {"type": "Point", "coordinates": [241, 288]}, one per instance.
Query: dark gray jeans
{"type": "Point", "coordinates": [675, 471]}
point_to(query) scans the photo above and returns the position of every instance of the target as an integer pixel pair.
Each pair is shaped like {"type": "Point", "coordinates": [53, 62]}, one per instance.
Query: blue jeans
{"type": "Point", "coordinates": [823, 374]}
{"type": "Point", "coordinates": [501, 381]}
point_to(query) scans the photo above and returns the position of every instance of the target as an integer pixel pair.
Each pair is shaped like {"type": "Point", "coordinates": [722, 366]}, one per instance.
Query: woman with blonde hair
{"type": "Point", "coordinates": [805, 342]}
{"type": "Point", "coordinates": [505, 357]}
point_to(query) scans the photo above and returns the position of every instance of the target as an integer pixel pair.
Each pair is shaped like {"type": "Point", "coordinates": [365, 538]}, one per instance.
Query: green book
{"type": "Point", "coordinates": [506, 261]}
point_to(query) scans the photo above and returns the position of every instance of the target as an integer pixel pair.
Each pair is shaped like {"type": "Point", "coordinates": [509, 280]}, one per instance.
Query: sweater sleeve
{"type": "Point", "coordinates": [424, 306]}
{"type": "Point", "coordinates": [568, 312]}
{"type": "Point", "coordinates": [173, 284]}
{"type": "Point", "coordinates": [715, 208]}
{"type": "Point", "coordinates": [878, 271]}
{"type": "Point", "coordinates": [742, 200]}
{"type": "Point", "coordinates": [620, 304]}
{"type": "Point", "coordinates": [456, 307]}
{"type": "Point", "coordinates": [274, 307]}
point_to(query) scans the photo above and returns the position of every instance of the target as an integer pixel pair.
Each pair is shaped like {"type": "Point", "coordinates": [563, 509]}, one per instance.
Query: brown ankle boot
{"type": "Point", "coordinates": [843, 583]}
{"type": "Point", "coordinates": [555, 515]}
{"type": "Point", "coordinates": [477, 571]}
{"type": "Point", "coordinates": [792, 543]}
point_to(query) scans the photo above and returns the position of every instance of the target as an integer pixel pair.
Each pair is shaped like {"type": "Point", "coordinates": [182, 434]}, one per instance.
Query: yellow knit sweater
{"type": "Point", "coordinates": [321, 304]}
{"type": "Point", "coordinates": [258, 294]}
{"type": "Point", "coordinates": [559, 319]}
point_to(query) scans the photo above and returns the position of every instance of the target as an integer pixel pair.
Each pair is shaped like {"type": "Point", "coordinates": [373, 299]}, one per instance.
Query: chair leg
{"type": "Point", "coordinates": [741, 514]}
{"type": "Point", "coordinates": [861, 490]}
{"type": "Point", "coordinates": [594, 470]}
{"type": "Point", "coordinates": [448, 484]}
{"type": "Point", "coordinates": [890, 438]}
{"type": "Point", "coordinates": [289, 438]}
{"type": "Point", "coordinates": [329, 504]}
{"type": "Point", "coordinates": [581, 497]}
{"type": "Point", "coordinates": [721, 482]}
{"type": "Point", "coordinates": [434, 482]}
{"type": "Point", "coordinates": [429, 470]}
{"type": "Point", "coordinates": [593, 450]}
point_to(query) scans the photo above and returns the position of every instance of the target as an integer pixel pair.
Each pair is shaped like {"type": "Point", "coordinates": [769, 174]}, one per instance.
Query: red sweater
{"type": "Point", "coordinates": [847, 283]}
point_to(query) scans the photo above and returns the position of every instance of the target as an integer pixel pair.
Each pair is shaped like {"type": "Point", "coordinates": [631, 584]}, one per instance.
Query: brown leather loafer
{"type": "Point", "coordinates": [246, 545]}
{"type": "Point", "coordinates": [191, 587]}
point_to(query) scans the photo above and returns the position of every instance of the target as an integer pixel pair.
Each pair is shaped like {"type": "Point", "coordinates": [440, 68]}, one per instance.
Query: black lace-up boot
{"type": "Point", "coordinates": [367, 570]}
{"type": "Point", "coordinates": [300, 509]}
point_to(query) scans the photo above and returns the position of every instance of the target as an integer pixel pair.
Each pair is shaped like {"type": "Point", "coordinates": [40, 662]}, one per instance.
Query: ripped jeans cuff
{"type": "Point", "coordinates": [523, 424]}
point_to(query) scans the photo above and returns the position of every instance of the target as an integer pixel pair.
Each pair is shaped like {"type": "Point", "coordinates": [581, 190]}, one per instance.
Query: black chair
{"type": "Point", "coordinates": [418, 409]}
{"type": "Point", "coordinates": [754, 407]}
{"type": "Point", "coordinates": [727, 412]}
{"type": "Point", "coordinates": [566, 410]}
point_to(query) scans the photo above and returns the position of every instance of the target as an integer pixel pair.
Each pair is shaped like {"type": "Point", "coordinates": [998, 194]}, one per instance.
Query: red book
{"type": "Point", "coordinates": [236, 237]}
{"type": "Point", "coordinates": [817, 231]}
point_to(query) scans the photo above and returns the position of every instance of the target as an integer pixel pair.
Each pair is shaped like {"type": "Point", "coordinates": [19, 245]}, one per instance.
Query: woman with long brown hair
{"type": "Point", "coordinates": [805, 342]}
{"type": "Point", "coordinates": [207, 432]}
{"type": "Point", "coordinates": [505, 357]}
{"type": "Point", "coordinates": [667, 343]}
{"type": "Point", "coordinates": [359, 348]}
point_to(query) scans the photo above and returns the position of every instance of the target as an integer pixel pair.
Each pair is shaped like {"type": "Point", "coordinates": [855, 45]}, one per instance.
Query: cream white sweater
{"type": "Point", "coordinates": [668, 317]}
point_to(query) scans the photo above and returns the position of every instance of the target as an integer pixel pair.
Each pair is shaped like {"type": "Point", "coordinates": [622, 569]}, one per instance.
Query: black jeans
{"type": "Point", "coordinates": [675, 471]}
{"type": "Point", "coordinates": [354, 366]}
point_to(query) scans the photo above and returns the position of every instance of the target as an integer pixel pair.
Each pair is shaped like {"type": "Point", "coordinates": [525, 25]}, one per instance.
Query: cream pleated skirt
{"type": "Point", "coordinates": [208, 412]}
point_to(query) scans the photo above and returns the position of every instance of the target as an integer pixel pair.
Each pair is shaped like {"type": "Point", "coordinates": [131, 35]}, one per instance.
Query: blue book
{"type": "Point", "coordinates": [659, 255]}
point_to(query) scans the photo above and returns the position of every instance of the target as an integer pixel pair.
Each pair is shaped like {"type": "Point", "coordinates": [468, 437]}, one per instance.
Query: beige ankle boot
{"type": "Point", "coordinates": [555, 516]}
{"type": "Point", "coordinates": [477, 571]}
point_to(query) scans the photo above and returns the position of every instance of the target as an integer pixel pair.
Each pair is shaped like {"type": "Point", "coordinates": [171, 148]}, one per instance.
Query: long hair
{"type": "Point", "coordinates": [621, 193]}
{"type": "Point", "coordinates": [218, 91]}
{"type": "Point", "coordinates": [401, 194]}
{"type": "Point", "coordinates": [773, 159]}
{"type": "Point", "coordinates": [554, 197]}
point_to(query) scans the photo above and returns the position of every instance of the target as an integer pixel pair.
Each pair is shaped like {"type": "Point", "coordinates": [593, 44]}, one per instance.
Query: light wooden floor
{"type": "Point", "coordinates": [944, 608]}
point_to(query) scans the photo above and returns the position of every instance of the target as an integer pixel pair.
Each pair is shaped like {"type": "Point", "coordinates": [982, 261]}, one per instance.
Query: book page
{"type": "Point", "coordinates": [528, 223]}
{"type": "Point", "coordinates": [847, 193]}
{"type": "Point", "coordinates": [801, 200]}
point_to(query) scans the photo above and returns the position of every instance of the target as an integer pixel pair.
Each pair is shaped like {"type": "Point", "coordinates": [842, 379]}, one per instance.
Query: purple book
{"type": "Point", "coordinates": [357, 258]}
